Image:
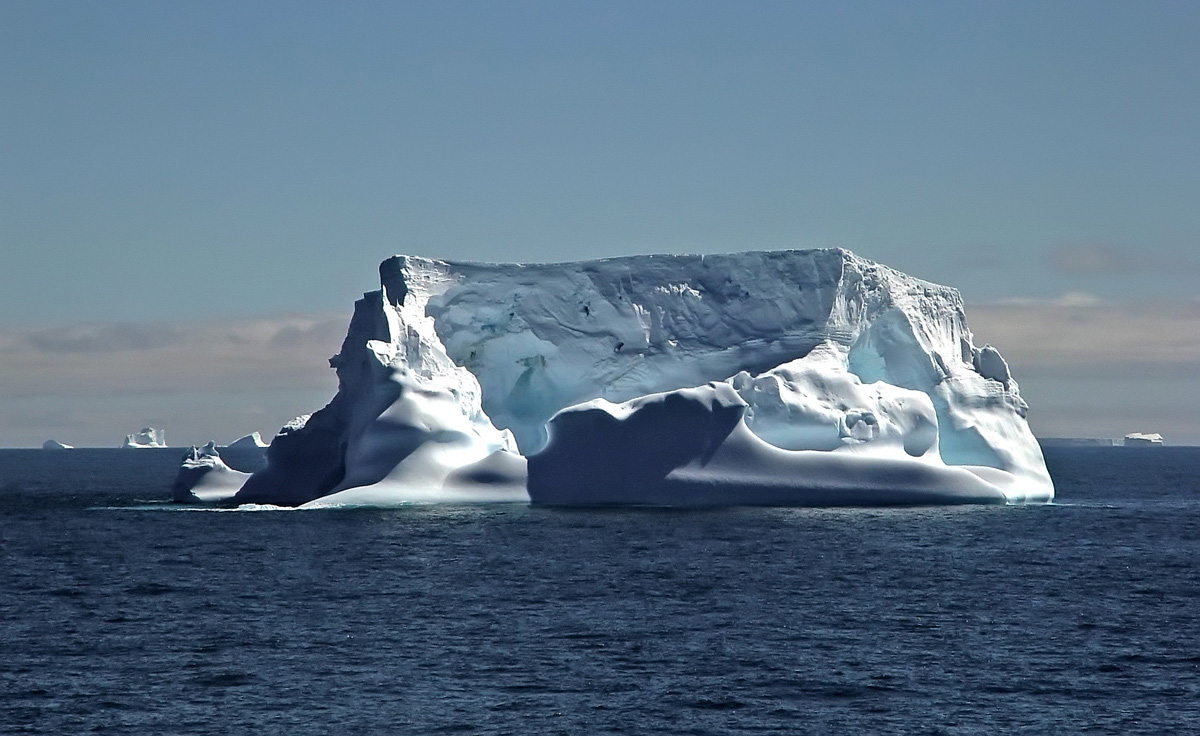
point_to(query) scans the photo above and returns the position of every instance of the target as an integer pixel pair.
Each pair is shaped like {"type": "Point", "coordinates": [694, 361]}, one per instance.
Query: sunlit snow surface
{"type": "Point", "coordinates": [780, 378]}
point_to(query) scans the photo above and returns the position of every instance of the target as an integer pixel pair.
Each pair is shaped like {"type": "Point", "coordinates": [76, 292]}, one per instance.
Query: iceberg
{"type": "Point", "coordinates": [252, 441]}
{"type": "Point", "coordinates": [205, 478]}
{"type": "Point", "coordinates": [56, 445]}
{"type": "Point", "coordinates": [1143, 439]}
{"type": "Point", "coordinates": [693, 447]}
{"type": "Point", "coordinates": [148, 437]}
{"type": "Point", "coordinates": [246, 454]}
{"type": "Point", "coordinates": [810, 377]}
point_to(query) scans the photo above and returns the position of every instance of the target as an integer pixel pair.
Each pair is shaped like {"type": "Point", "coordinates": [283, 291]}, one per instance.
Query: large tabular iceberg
{"type": "Point", "coordinates": [790, 377]}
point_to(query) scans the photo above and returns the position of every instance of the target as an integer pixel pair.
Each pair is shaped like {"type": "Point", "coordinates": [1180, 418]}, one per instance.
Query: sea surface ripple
{"type": "Point", "coordinates": [119, 618]}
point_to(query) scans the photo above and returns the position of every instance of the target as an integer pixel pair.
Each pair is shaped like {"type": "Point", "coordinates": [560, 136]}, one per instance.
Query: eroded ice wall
{"type": "Point", "coordinates": [540, 337]}
{"type": "Point", "coordinates": [829, 352]}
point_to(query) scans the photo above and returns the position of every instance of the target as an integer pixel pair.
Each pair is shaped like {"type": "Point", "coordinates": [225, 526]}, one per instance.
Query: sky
{"type": "Point", "coordinates": [192, 195]}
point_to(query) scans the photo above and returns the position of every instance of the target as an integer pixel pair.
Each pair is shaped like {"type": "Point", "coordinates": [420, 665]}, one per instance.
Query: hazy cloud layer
{"type": "Point", "coordinates": [1100, 259]}
{"type": "Point", "coordinates": [89, 384]}
{"type": "Point", "coordinates": [1088, 367]}
{"type": "Point", "coordinates": [1089, 337]}
{"type": "Point", "coordinates": [236, 355]}
{"type": "Point", "coordinates": [1091, 368]}
{"type": "Point", "coordinates": [102, 338]}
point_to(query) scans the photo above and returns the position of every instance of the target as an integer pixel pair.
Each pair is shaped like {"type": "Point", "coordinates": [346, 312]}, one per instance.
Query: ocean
{"type": "Point", "coordinates": [123, 614]}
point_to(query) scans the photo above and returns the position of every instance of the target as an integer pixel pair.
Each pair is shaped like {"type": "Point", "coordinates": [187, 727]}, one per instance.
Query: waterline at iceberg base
{"type": "Point", "coordinates": [808, 377]}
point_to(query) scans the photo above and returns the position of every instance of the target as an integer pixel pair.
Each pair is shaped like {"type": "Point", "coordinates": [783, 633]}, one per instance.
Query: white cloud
{"type": "Point", "coordinates": [1081, 333]}
{"type": "Point", "coordinates": [1087, 367]}
{"type": "Point", "coordinates": [1105, 259]}
{"type": "Point", "coordinates": [1093, 368]}
{"type": "Point", "coordinates": [128, 358]}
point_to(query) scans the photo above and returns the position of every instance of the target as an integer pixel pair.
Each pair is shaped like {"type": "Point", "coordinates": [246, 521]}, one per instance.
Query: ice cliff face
{"type": "Point", "coordinates": [405, 426]}
{"type": "Point", "coordinates": [450, 369]}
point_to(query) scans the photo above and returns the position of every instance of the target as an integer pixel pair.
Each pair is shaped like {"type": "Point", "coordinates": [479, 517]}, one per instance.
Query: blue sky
{"type": "Point", "coordinates": [172, 170]}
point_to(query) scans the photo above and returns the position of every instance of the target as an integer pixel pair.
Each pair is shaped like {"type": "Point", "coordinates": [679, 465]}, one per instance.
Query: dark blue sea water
{"type": "Point", "coordinates": [120, 614]}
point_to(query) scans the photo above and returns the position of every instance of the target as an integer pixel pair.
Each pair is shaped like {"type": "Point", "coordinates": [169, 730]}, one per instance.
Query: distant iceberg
{"type": "Point", "coordinates": [1143, 439]}
{"type": "Point", "coordinates": [148, 437]}
{"type": "Point", "coordinates": [784, 378]}
{"type": "Point", "coordinates": [248, 442]}
{"type": "Point", "coordinates": [55, 445]}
